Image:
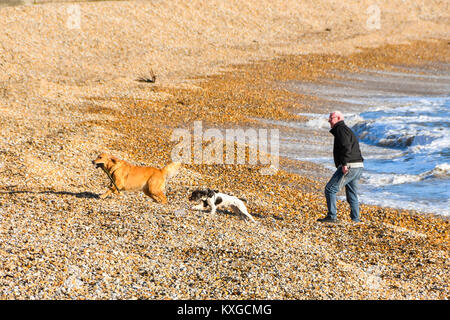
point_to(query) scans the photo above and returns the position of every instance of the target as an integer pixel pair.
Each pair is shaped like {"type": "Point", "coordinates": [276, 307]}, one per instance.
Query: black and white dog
{"type": "Point", "coordinates": [216, 200]}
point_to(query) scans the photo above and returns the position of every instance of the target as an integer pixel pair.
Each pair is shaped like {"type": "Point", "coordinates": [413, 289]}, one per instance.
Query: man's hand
{"type": "Point", "coordinates": [344, 169]}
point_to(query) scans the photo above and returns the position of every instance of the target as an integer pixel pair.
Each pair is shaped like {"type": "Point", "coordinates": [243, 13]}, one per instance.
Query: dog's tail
{"type": "Point", "coordinates": [171, 169]}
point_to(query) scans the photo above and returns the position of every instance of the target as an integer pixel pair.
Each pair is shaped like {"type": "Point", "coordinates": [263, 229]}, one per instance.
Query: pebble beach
{"type": "Point", "coordinates": [70, 89]}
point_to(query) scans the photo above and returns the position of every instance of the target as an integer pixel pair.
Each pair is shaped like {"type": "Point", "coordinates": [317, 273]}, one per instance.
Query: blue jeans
{"type": "Point", "coordinates": [350, 181]}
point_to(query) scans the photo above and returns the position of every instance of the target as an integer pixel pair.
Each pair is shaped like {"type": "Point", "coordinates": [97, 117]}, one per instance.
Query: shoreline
{"type": "Point", "coordinates": [356, 93]}
{"type": "Point", "coordinates": [59, 241]}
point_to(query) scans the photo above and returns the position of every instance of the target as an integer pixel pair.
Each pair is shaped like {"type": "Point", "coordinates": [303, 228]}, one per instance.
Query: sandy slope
{"type": "Point", "coordinates": [118, 41]}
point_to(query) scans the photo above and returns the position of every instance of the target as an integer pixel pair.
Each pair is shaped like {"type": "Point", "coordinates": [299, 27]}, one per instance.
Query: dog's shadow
{"type": "Point", "coordinates": [228, 212]}
{"type": "Point", "coordinates": [85, 195]}
{"type": "Point", "coordinates": [219, 211]}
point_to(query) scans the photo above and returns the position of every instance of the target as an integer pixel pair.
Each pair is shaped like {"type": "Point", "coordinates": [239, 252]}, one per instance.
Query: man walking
{"type": "Point", "coordinates": [349, 164]}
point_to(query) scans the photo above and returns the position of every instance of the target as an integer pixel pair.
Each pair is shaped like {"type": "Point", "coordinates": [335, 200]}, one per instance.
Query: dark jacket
{"type": "Point", "coordinates": [346, 147]}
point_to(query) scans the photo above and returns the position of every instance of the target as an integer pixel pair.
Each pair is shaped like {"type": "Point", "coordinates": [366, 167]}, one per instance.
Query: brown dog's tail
{"type": "Point", "coordinates": [171, 169]}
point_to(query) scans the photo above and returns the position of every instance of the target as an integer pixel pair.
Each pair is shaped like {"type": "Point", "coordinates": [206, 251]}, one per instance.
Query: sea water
{"type": "Point", "coordinates": [414, 171]}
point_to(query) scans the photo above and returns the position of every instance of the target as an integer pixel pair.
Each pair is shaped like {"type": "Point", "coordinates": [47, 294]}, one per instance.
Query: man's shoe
{"type": "Point", "coordinates": [327, 219]}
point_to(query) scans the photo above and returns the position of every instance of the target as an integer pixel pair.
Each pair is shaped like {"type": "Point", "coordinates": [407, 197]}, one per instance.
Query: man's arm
{"type": "Point", "coordinates": [344, 141]}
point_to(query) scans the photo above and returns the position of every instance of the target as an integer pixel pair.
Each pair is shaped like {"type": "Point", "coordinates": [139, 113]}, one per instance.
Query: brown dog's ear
{"type": "Point", "coordinates": [114, 159]}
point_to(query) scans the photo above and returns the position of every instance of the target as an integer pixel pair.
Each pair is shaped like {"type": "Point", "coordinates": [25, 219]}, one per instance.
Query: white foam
{"type": "Point", "coordinates": [405, 131]}
{"type": "Point", "coordinates": [441, 171]}
{"type": "Point", "coordinates": [386, 199]}
{"type": "Point", "coordinates": [381, 179]}
{"type": "Point", "coordinates": [320, 121]}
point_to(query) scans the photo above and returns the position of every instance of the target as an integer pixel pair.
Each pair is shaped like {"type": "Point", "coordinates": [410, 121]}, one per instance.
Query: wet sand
{"type": "Point", "coordinates": [68, 97]}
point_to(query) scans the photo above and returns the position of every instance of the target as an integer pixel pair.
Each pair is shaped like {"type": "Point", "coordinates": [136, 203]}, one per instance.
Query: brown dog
{"type": "Point", "coordinates": [129, 177]}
